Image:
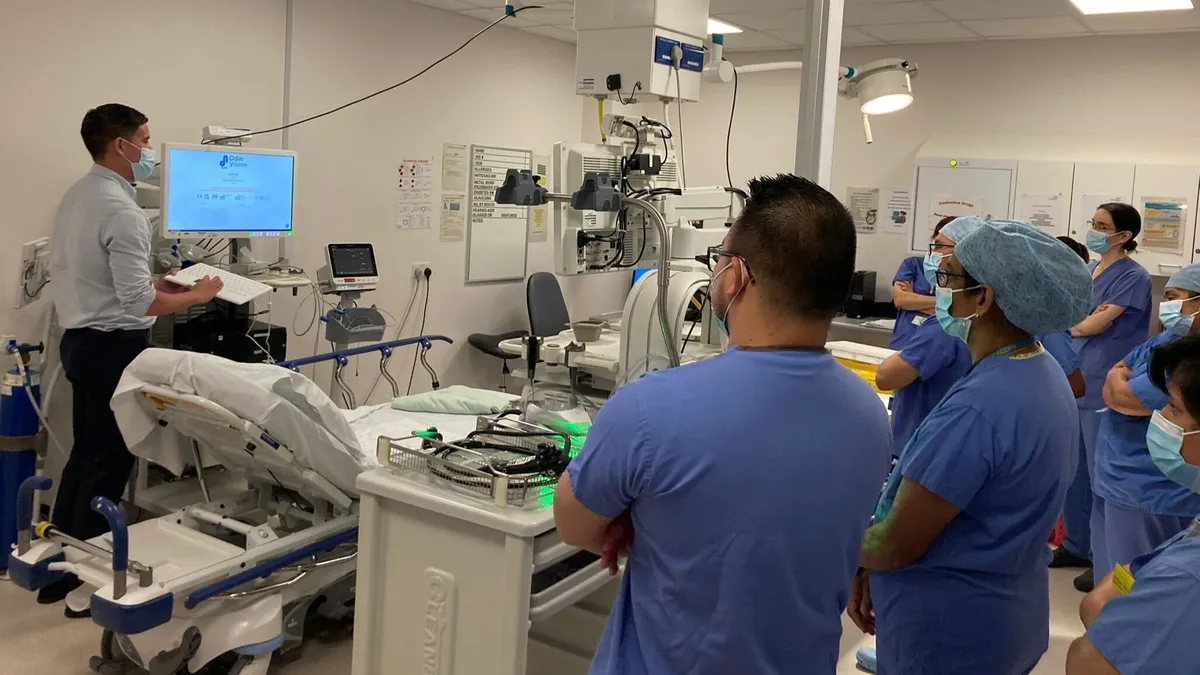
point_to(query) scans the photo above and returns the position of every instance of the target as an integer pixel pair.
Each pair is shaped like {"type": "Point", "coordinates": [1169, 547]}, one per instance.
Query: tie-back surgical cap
{"type": "Point", "coordinates": [957, 229]}
{"type": "Point", "coordinates": [1187, 278]}
{"type": "Point", "coordinates": [1041, 285]}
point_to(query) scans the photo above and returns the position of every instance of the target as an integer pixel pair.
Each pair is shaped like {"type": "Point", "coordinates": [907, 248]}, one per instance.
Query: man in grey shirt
{"type": "Point", "coordinates": [107, 301]}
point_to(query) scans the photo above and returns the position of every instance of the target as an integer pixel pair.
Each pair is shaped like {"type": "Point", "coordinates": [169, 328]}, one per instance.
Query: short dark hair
{"type": "Point", "coordinates": [1179, 361]}
{"type": "Point", "coordinates": [798, 241]}
{"type": "Point", "coordinates": [1080, 249]}
{"type": "Point", "coordinates": [1125, 219]}
{"type": "Point", "coordinates": [937, 229]}
{"type": "Point", "coordinates": [102, 124]}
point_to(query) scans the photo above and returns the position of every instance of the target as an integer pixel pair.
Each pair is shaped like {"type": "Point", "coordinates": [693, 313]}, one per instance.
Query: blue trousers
{"type": "Point", "coordinates": [1120, 534]}
{"type": "Point", "coordinates": [1077, 511]}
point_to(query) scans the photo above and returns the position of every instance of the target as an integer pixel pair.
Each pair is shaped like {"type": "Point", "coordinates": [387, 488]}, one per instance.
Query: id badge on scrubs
{"type": "Point", "coordinates": [919, 320]}
{"type": "Point", "coordinates": [1122, 579]}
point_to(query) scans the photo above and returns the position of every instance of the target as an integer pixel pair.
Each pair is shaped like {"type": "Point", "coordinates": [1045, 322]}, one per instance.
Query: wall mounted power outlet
{"type": "Point", "coordinates": [420, 267]}
{"type": "Point", "coordinates": [34, 273]}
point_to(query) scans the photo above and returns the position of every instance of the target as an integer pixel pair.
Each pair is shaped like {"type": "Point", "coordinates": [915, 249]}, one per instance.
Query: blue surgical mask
{"type": "Point", "coordinates": [1165, 441]}
{"type": "Point", "coordinates": [1097, 242]}
{"type": "Point", "coordinates": [954, 326]}
{"type": "Point", "coordinates": [720, 320]}
{"type": "Point", "coordinates": [933, 262]}
{"type": "Point", "coordinates": [144, 167]}
{"type": "Point", "coordinates": [1173, 319]}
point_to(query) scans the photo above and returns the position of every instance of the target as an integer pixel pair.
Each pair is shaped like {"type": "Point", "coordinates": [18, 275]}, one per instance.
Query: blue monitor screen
{"type": "Point", "coordinates": [638, 274]}
{"type": "Point", "coordinates": [235, 191]}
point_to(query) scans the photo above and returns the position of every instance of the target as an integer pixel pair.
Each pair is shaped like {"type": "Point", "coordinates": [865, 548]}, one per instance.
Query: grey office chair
{"type": "Point", "coordinates": [547, 310]}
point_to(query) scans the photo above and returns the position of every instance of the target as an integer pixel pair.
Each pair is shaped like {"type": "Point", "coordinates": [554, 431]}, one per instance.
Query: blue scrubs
{"type": "Point", "coordinates": [1153, 629]}
{"type": "Point", "coordinates": [750, 479]}
{"type": "Point", "coordinates": [1125, 283]}
{"type": "Point", "coordinates": [912, 271]}
{"type": "Point", "coordinates": [1079, 495]}
{"type": "Point", "coordinates": [1136, 507]}
{"type": "Point", "coordinates": [1060, 347]}
{"type": "Point", "coordinates": [999, 448]}
{"type": "Point", "coordinates": [940, 360]}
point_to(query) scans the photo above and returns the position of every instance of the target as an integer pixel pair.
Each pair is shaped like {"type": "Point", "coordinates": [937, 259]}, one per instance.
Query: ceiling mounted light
{"type": "Point", "coordinates": [717, 27]}
{"type": "Point", "coordinates": [882, 87]}
{"type": "Point", "coordinates": [1130, 6]}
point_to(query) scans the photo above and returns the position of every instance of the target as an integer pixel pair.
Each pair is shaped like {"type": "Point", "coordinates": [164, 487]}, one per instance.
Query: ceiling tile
{"type": "Point", "coordinates": [1017, 28]}
{"type": "Point", "coordinates": [721, 6]}
{"type": "Point", "coordinates": [894, 12]}
{"type": "Point", "coordinates": [967, 10]}
{"type": "Point", "coordinates": [452, 5]}
{"type": "Point", "coordinates": [854, 37]}
{"type": "Point", "coordinates": [793, 37]}
{"type": "Point", "coordinates": [490, 15]}
{"type": "Point", "coordinates": [751, 40]}
{"type": "Point", "coordinates": [769, 20]}
{"type": "Point", "coordinates": [550, 17]}
{"type": "Point", "coordinates": [1145, 22]}
{"type": "Point", "coordinates": [920, 32]}
{"type": "Point", "coordinates": [553, 32]}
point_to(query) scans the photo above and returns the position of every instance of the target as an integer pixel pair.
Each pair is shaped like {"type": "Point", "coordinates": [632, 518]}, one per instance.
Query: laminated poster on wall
{"type": "Point", "coordinates": [951, 206]}
{"type": "Point", "coordinates": [454, 216]}
{"type": "Point", "coordinates": [456, 167]}
{"type": "Point", "coordinates": [414, 198]}
{"type": "Point", "coordinates": [898, 212]}
{"type": "Point", "coordinates": [1162, 224]}
{"type": "Point", "coordinates": [864, 208]}
{"type": "Point", "coordinates": [1047, 212]}
{"type": "Point", "coordinates": [539, 217]}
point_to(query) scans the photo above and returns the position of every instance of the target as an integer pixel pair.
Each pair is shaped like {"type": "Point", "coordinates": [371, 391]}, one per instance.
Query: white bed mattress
{"type": "Point", "coordinates": [371, 422]}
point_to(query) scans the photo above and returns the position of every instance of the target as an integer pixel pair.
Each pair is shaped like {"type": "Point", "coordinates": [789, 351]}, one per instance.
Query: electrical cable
{"type": "Point", "coordinates": [424, 318]}
{"type": "Point", "coordinates": [385, 90]}
{"type": "Point", "coordinates": [679, 115]}
{"type": "Point", "coordinates": [688, 339]}
{"type": "Point", "coordinates": [729, 132]}
{"type": "Point", "coordinates": [636, 86]}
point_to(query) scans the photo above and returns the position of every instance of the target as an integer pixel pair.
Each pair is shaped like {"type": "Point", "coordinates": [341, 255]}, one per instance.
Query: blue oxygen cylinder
{"type": "Point", "coordinates": [18, 434]}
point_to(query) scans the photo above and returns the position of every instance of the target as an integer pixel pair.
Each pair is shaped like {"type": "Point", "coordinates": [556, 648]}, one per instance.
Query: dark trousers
{"type": "Point", "coordinates": [100, 462]}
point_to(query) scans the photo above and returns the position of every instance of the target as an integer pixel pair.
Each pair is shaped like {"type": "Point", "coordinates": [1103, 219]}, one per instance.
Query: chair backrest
{"type": "Point", "coordinates": [547, 310]}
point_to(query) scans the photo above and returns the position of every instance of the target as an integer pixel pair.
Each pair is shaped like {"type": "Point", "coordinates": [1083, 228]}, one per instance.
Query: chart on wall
{"type": "Point", "coordinates": [1163, 221]}
{"type": "Point", "coordinates": [959, 187]}
{"type": "Point", "coordinates": [497, 235]}
{"type": "Point", "coordinates": [1047, 212]}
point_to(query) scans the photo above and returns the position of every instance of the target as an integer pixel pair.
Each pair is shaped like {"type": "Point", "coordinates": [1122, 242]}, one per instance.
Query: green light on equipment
{"type": "Point", "coordinates": [954, 162]}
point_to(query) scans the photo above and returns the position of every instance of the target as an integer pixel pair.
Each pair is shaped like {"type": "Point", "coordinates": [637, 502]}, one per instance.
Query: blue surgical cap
{"type": "Point", "coordinates": [1187, 278]}
{"type": "Point", "coordinates": [959, 228]}
{"type": "Point", "coordinates": [1041, 285]}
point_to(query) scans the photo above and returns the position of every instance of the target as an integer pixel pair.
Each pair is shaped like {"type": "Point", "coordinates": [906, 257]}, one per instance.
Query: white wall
{"type": "Point", "coordinates": [1095, 99]}
{"type": "Point", "coordinates": [508, 88]}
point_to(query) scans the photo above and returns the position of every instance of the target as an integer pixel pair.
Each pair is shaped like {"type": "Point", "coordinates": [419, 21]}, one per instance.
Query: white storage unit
{"type": "Point", "coordinates": [946, 186]}
{"type": "Point", "coordinates": [452, 584]}
{"type": "Point", "coordinates": [1044, 195]}
{"type": "Point", "coordinates": [1155, 184]}
{"type": "Point", "coordinates": [1095, 184]}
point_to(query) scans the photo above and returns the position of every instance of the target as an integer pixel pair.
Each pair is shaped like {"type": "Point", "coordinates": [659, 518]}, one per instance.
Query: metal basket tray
{"type": "Point", "coordinates": [478, 472]}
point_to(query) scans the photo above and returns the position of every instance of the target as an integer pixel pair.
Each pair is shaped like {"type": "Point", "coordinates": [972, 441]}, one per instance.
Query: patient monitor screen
{"type": "Point", "coordinates": [231, 190]}
{"type": "Point", "coordinates": [352, 260]}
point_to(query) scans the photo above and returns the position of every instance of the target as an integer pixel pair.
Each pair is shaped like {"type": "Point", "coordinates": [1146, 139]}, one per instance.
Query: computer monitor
{"type": "Point", "coordinates": [227, 192]}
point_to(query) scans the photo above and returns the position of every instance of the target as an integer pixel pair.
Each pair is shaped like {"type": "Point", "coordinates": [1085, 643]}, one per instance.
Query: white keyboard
{"type": "Point", "coordinates": [238, 289]}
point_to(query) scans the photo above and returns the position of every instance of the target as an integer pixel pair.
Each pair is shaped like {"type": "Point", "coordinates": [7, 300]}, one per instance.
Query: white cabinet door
{"type": "Point", "coordinates": [959, 187]}
{"type": "Point", "coordinates": [1044, 195]}
{"type": "Point", "coordinates": [1096, 184]}
{"type": "Point", "coordinates": [1166, 197]}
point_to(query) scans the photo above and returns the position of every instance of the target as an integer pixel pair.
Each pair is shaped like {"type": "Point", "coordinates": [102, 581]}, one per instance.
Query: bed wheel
{"type": "Point", "coordinates": [241, 664]}
{"type": "Point", "coordinates": [111, 660]}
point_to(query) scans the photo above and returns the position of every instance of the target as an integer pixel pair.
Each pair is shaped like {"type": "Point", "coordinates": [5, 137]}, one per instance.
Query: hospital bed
{"type": "Point", "coordinates": [224, 583]}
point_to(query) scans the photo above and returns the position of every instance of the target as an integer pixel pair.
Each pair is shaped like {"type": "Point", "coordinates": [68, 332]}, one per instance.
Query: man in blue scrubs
{"type": "Point", "coordinates": [912, 293]}
{"type": "Point", "coordinates": [740, 486]}
{"type": "Point", "coordinates": [1146, 621]}
{"type": "Point", "coordinates": [957, 557]}
{"type": "Point", "coordinates": [1135, 508]}
{"type": "Point", "coordinates": [928, 364]}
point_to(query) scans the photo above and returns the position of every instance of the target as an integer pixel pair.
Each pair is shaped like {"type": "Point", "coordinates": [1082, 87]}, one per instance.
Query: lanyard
{"type": "Point", "coordinates": [1005, 351]}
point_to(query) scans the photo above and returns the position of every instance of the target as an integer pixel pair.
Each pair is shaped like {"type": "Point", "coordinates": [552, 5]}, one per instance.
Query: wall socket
{"type": "Point", "coordinates": [419, 269]}
{"type": "Point", "coordinates": [34, 272]}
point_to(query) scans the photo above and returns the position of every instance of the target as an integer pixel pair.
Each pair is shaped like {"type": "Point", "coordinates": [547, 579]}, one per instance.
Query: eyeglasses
{"type": "Point", "coordinates": [940, 248]}
{"type": "Point", "coordinates": [1102, 227]}
{"type": "Point", "coordinates": [944, 277]}
{"type": "Point", "coordinates": [714, 255]}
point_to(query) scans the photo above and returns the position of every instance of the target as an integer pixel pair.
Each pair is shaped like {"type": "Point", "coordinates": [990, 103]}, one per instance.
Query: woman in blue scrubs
{"type": "Point", "coordinates": [912, 292]}
{"type": "Point", "coordinates": [956, 561]}
{"type": "Point", "coordinates": [1119, 321]}
{"type": "Point", "coordinates": [1135, 508]}
{"type": "Point", "coordinates": [1150, 627]}
{"type": "Point", "coordinates": [929, 360]}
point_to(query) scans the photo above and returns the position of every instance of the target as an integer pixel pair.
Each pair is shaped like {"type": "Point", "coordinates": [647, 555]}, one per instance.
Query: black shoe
{"type": "Point", "coordinates": [1064, 558]}
{"type": "Point", "coordinates": [1084, 583]}
{"type": "Point", "coordinates": [82, 614]}
{"type": "Point", "coordinates": [59, 590]}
